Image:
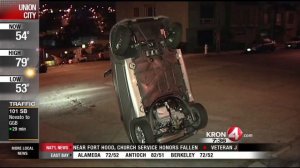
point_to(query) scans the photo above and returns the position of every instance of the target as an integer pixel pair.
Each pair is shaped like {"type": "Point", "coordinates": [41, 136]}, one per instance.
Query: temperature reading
{"type": "Point", "coordinates": [22, 88]}
{"type": "Point", "coordinates": [21, 35]}
{"type": "Point", "coordinates": [22, 62]}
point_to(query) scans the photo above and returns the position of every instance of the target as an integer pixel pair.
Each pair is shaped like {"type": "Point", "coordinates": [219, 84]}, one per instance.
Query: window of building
{"type": "Point", "coordinates": [247, 16]}
{"type": "Point", "coordinates": [291, 18]}
{"type": "Point", "coordinates": [239, 31]}
{"type": "Point", "coordinates": [150, 11]}
{"type": "Point", "coordinates": [239, 17]}
{"type": "Point", "coordinates": [278, 19]}
{"type": "Point", "coordinates": [136, 12]}
{"type": "Point", "coordinates": [266, 18]}
{"type": "Point", "coordinates": [207, 10]}
{"type": "Point", "coordinates": [256, 22]}
{"type": "Point", "coordinates": [205, 37]}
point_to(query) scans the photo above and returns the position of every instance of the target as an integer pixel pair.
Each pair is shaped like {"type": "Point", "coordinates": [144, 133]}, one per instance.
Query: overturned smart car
{"type": "Point", "coordinates": [151, 81]}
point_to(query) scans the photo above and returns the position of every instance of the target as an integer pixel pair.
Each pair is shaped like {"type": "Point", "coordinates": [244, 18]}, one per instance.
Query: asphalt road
{"type": "Point", "coordinates": [259, 92]}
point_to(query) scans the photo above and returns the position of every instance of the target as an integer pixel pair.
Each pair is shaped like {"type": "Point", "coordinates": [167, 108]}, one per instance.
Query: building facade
{"type": "Point", "coordinates": [220, 25]}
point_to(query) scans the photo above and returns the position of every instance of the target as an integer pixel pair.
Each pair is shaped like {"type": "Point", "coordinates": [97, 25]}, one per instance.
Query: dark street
{"type": "Point", "coordinates": [258, 92]}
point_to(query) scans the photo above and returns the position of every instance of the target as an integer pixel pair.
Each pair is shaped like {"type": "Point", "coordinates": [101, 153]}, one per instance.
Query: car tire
{"type": "Point", "coordinates": [120, 39]}
{"type": "Point", "coordinates": [43, 69]}
{"type": "Point", "coordinates": [199, 116]}
{"type": "Point", "coordinates": [174, 35]}
{"type": "Point", "coordinates": [273, 49]}
{"type": "Point", "coordinates": [141, 131]}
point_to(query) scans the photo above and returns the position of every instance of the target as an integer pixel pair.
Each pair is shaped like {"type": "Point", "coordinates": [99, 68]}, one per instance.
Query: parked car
{"type": "Point", "coordinates": [104, 54]}
{"type": "Point", "coordinates": [42, 66]}
{"type": "Point", "coordinates": [95, 53]}
{"type": "Point", "coordinates": [67, 57]}
{"type": "Point", "coordinates": [293, 43]}
{"type": "Point", "coordinates": [261, 45]}
{"type": "Point", "coordinates": [92, 56]}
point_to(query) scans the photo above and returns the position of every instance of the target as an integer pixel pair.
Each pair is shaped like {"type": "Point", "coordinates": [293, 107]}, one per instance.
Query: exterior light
{"type": "Point", "coordinates": [30, 73]}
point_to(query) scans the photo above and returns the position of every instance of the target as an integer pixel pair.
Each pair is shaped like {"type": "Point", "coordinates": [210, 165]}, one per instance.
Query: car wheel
{"type": "Point", "coordinates": [199, 114]}
{"type": "Point", "coordinates": [174, 35]}
{"type": "Point", "coordinates": [141, 131]}
{"type": "Point", "coordinates": [273, 49]}
{"type": "Point", "coordinates": [43, 69]}
{"type": "Point", "coordinates": [120, 39]}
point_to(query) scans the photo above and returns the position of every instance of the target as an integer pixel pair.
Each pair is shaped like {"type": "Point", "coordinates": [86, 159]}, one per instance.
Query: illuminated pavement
{"type": "Point", "coordinates": [260, 93]}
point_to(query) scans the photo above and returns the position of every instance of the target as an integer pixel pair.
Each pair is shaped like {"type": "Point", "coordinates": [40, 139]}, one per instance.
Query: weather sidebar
{"type": "Point", "coordinates": [19, 79]}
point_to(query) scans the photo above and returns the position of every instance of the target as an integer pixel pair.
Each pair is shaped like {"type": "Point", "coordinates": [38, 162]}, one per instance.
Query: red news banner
{"type": "Point", "coordinates": [19, 10]}
{"type": "Point", "coordinates": [56, 150]}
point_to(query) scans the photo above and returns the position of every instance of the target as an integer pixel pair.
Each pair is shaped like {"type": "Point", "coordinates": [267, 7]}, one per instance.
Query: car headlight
{"type": "Point", "coordinates": [289, 45]}
{"type": "Point", "coordinates": [248, 49]}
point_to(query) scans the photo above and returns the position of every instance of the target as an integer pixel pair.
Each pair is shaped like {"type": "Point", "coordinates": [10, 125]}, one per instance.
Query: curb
{"type": "Point", "coordinates": [278, 47]}
{"type": "Point", "coordinates": [213, 53]}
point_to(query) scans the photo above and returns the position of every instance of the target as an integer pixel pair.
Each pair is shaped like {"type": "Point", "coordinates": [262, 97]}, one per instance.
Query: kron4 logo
{"type": "Point", "coordinates": [235, 133]}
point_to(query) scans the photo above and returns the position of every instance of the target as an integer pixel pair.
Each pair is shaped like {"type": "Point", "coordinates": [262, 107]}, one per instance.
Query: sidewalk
{"type": "Point", "coordinates": [213, 53]}
{"type": "Point", "coordinates": [278, 47]}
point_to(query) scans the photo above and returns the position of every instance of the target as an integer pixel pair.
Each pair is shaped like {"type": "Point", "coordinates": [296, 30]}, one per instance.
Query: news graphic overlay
{"type": "Point", "coordinates": [154, 151]}
{"type": "Point", "coordinates": [19, 76]}
{"type": "Point", "coordinates": [234, 134]}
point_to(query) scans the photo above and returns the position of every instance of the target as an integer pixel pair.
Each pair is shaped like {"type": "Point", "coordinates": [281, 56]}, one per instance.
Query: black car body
{"type": "Point", "coordinates": [42, 66]}
{"type": "Point", "coordinates": [104, 53]}
{"type": "Point", "coordinates": [293, 43]}
{"type": "Point", "coordinates": [261, 45]}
